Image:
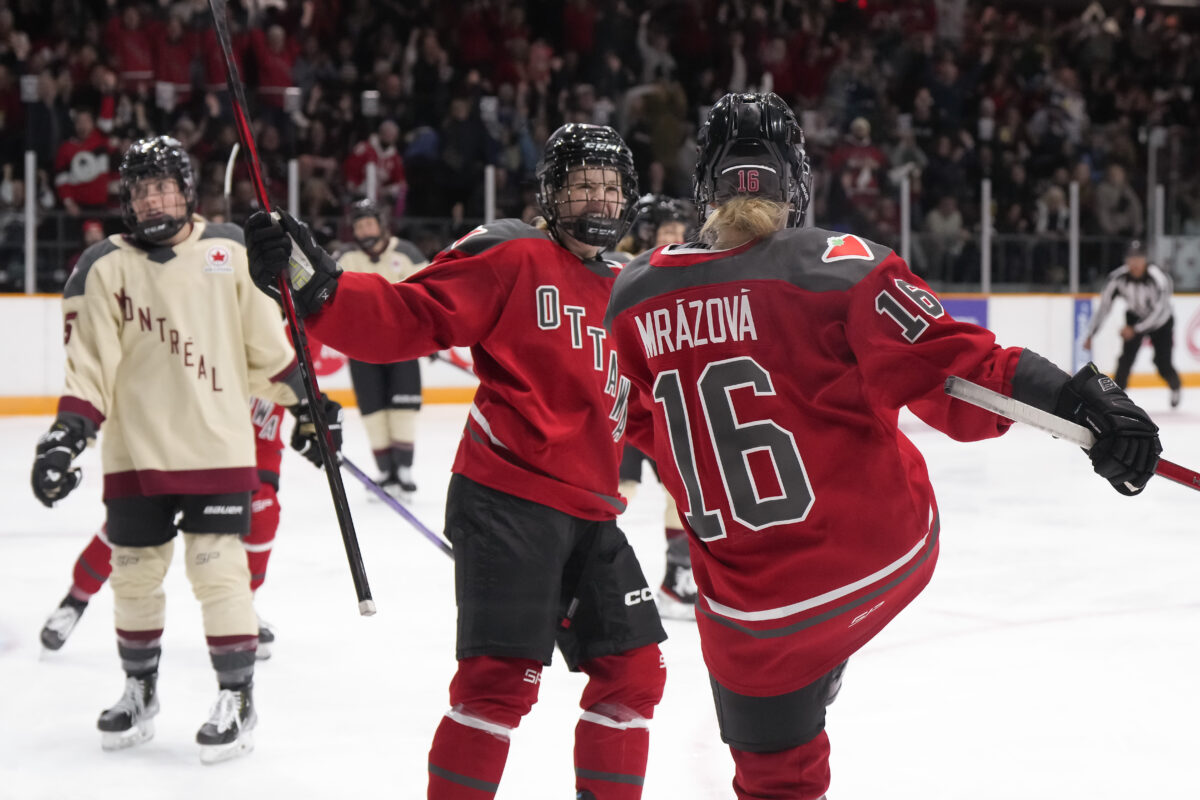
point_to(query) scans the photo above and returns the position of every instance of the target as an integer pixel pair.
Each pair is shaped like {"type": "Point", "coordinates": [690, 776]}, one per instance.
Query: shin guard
{"type": "Point", "coordinates": [488, 698]}
{"type": "Point", "coordinates": [264, 522]}
{"type": "Point", "coordinates": [92, 568]}
{"type": "Point", "coordinates": [220, 576]}
{"type": "Point", "coordinates": [140, 604]}
{"type": "Point", "coordinates": [800, 773]}
{"type": "Point", "coordinates": [612, 738]}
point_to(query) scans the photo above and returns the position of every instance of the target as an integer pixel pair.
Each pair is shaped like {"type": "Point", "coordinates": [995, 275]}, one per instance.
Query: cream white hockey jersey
{"type": "Point", "coordinates": [164, 347]}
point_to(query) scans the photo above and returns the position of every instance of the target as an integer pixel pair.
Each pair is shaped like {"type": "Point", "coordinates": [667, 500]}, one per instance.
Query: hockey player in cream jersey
{"type": "Point", "coordinates": [389, 395]}
{"type": "Point", "coordinates": [166, 338]}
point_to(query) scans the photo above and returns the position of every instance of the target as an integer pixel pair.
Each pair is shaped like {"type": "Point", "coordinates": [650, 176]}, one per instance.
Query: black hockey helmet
{"type": "Point", "coordinates": [367, 208]}
{"type": "Point", "coordinates": [579, 145]}
{"type": "Point", "coordinates": [156, 156]}
{"type": "Point", "coordinates": [655, 210]}
{"type": "Point", "coordinates": [751, 144]}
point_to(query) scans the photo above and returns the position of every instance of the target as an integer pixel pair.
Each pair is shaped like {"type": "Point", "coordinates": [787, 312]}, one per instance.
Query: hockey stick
{"type": "Point", "coordinates": [396, 506]}
{"type": "Point", "coordinates": [366, 605]}
{"type": "Point", "coordinates": [233, 151]}
{"type": "Point", "coordinates": [1056, 426]}
{"type": "Point", "coordinates": [454, 362]}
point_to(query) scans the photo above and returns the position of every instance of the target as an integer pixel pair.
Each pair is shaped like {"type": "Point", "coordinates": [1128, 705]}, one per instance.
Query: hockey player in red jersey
{"type": "Point", "coordinates": [93, 566]}
{"type": "Point", "coordinates": [531, 508]}
{"type": "Point", "coordinates": [778, 359]}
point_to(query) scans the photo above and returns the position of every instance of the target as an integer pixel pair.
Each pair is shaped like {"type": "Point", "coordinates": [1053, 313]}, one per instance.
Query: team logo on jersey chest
{"type": "Point", "coordinates": [842, 247]}
{"type": "Point", "coordinates": [218, 259]}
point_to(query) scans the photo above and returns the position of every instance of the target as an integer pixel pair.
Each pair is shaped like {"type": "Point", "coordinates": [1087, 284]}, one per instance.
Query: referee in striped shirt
{"type": "Point", "coordinates": [1146, 289]}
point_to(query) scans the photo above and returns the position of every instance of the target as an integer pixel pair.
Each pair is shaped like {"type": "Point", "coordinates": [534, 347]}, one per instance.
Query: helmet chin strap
{"type": "Point", "coordinates": [369, 243]}
{"type": "Point", "coordinates": [159, 229]}
{"type": "Point", "coordinates": [593, 230]}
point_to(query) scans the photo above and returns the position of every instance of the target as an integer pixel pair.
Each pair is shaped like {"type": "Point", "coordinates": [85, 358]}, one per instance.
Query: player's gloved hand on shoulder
{"type": "Point", "coordinates": [304, 435]}
{"type": "Point", "coordinates": [53, 478]}
{"type": "Point", "coordinates": [311, 271]}
{"type": "Point", "coordinates": [1127, 447]}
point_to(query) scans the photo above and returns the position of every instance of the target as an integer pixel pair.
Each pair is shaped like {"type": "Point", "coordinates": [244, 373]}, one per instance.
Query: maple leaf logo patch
{"type": "Point", "coordinates": [847, 246]}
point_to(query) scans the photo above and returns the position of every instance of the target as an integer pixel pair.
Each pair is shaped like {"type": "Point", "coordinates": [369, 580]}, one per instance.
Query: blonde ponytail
{"type": "Point", "coordinates": [741, 219]}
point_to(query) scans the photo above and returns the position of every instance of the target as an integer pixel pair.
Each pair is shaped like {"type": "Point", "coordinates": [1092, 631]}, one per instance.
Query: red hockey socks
{"type": "Point", "coordinates": [488, 697]}
{"type": "Point", "coordinates": [264, 521]}
{"type": "Point", "coordinates": [92, 568]}
{"type": "Point", "coordinates": [801, 773]}
{"type": "Point", "coordinates": [612, 738]}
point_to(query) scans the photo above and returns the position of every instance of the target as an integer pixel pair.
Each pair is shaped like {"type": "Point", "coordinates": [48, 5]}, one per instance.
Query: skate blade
{"type": "Point", "coordinates": [123, 740]}
{"type": "Point", "coordinates": [670, 608]}
{"type": "Point", "coordinates": [216, 753]}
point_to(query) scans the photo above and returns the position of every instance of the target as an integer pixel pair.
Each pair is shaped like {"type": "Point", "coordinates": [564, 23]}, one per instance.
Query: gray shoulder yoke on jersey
{"type": "Point", "coordinates": [792, 255]}
{"type": "Point", "coordinates": [410, 250]}
{"type": "Point", "coordinates": [488, 236]}
{"type": "Point", "coordinates": [224, 230]}
{"type": "Point", "coordinates": [83, 266]}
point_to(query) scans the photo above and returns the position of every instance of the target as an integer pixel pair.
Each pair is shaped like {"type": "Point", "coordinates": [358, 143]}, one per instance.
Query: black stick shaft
{"type": "Point", "coordinates": [366, 605]}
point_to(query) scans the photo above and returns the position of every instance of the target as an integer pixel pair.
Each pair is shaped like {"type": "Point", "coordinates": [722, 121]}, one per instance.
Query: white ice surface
{"type": "Point", "coordinates": [1055, 655]}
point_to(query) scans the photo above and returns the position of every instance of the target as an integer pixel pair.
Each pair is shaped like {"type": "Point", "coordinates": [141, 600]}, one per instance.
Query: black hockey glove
{"type": "Point", "coordinates": [304, 435]}
{"type": "Point", "coordinates": [311, 271]}
{"type": "Point", "coordinates": [53, 478]}
{"type": "Point", "coordinates": [1127, 447]}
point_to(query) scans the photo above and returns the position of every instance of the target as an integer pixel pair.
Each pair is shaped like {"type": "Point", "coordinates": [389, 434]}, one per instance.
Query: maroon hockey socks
{"type": "Point", "coordinates": [612, 738]}
{"type": "Point", "coordinates": [264, 521]}
{"type": "Point", "coordinates": [488, 697]}
{"type": "Point", "coordinates": [91, 569]}
{"type": "Point", "coordinates": [801, 773]}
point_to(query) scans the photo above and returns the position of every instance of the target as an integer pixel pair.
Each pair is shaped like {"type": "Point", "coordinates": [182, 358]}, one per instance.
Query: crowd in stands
{"type": "Point", "coordinates": [1032, 96]}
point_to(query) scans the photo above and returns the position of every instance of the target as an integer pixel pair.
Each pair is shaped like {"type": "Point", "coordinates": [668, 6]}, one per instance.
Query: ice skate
{"type": "Point", "coordinates": [405, 487]}
{"type": "Point", "coordinates": [390, 484]}
{"type": "Point", "coordinates": [131, 721]}
{"type": "Point", "coordinates": [61, 622]}
{"type": "Point", "coordinates": [266, 640]}
{"type": "Point", "coordinates": [229, 731]}
{"type": "Point", "coordinates": [676, 598]}
{"type": "Point", "coordinates": [1176, 395]}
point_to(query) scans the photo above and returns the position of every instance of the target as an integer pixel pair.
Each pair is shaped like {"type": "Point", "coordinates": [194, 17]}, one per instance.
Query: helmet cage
{"type": "Point", "coordinates": [576, 146]}
{"type": "Point", "coordinates": [156, 157]}
{"type": "Point", "coordinates": [757, 135]}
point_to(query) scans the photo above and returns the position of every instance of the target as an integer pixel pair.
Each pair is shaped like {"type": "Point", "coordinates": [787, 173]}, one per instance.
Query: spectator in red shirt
{"type": "Point", "coordinates": [864, 162]}
{"type": "Point", "coordinates": [579, 27]}
{"type": "Point", "coordinates": [131, 48]}
{"type": "Point", "coordinates": [82, 169]}
{"type": "Point", "coordinates": [275, 54]}
{"type": "Point", "coordinates": [173, 56]}
{"type": "Point", "coordinates": [378, 149]}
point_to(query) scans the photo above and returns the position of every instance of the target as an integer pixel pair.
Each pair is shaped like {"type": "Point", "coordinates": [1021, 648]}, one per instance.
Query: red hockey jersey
{"type": "Point", "coordinates": [268, 438]}
{"type": "Point", "coordinates": [548, 417]}
{"type": "Point", "coordinates": [776, 372]}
